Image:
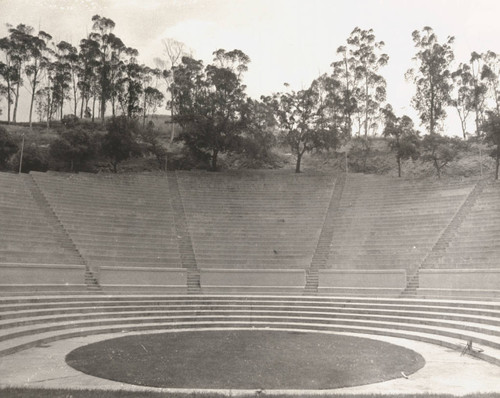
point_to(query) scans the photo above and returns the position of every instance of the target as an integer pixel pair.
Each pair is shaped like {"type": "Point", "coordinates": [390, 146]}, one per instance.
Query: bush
{"type": "Point", "coordinates": [360, 149]}
{"type": "Point", "coordinates": [120, 142]}
{"type": "Point", "coordinates": [35, 158]}
{"type": "Point", "coordinates": [74, 147]}
{"type": "Point", "coordinates": [70, 121]}
{"type": "Point", "coordinates": [8, 147]}
{"type": "Point", "coordinates": [150, 136]}
{"type": "Point", "coordinates": [441, 150]}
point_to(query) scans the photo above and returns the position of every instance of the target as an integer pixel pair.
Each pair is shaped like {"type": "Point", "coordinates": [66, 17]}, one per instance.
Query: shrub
{"type": "Point", "coordinates": [8, 147]}
{"type": "Point", "coordinates": [74, 147]}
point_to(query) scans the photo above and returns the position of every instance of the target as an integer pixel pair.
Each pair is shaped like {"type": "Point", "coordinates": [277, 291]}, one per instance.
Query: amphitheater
{"type": "Point", "coordinates": [86, 258]}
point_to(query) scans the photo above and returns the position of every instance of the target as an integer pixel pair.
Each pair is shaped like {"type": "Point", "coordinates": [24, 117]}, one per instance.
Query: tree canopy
{"type": "Point", "coordinates": [211, 103]}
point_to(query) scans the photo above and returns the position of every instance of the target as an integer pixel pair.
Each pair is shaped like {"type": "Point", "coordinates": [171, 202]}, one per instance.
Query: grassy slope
{"type": "Point", "coordinates": [379, 161]}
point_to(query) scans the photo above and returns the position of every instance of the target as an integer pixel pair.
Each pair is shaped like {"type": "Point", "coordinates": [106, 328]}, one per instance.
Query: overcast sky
{"type": "Point", "coordinates": [289, 41]}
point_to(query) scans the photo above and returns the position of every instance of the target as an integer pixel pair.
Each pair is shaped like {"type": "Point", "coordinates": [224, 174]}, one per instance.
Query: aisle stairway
{"type": "Point", "coordinates": [115, 221]}
{"type": "Point", "coordinates": [435, 255]}
{"type": "Point", "coordinates": [29, 234]}
{"type": "Point", "coordinates": [183, 237]}
{"type": "Point", "coordinates": [386, 223]}
{"type": "Point", "coordinates": [320, 256]}
{"type": "Point", "coordinates": [475, 244]}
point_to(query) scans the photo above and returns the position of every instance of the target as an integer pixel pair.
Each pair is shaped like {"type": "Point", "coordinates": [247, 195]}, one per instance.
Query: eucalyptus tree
{"type": "Point", "coordinates": [211, 104]}
{"type": "Point", "coordinates": [402, 137]}
{"type": "Point", "coordinates": [480, 90]}
{"type": "Point", "coordinates": [68, 55]}
{"type": "Point", "coordinates": [102, 34]}
{"type": "Point", "coordinates": [329, 92]}
{"type": "Point", "coordinates": [152, 97]}
{"type": "Point", "coordinates": [301, 123]}
{"type": "Point", "coordinates": [173, 51]}
{"type": "Point", "coordinates": [432, 77]}
{"type": "Point", "coordinates": [368, 59]}
{"type": "Point", "coordinates": [440, 150]}
{"type": "Point", "coordinates": [61, 77]}
{"type": "Point", "coordinates": [260, 134]}
{"type": "Point", "coordinates": [9, 72]}
{"type": "Point", "coordinates": [87, 72]}
{"type": "Point", "coordinates": [17, 48]}
{"type": "Point", "coordinates": [491, 127]}
{"type": "Point", "coordinates": [490, 74]}
{"type": "Point", "coordinates": [463, 94]}
{"type": "Point", "coordinates": [130, 85]}
{"type": "Point", "coordinates": [38, 57]}
{"type": "Point", "coordinates": [119, 54]}
{"type": "Point", "coordinates": [343, 71]}
{"type": "Point", "coordinates": [364, 88]}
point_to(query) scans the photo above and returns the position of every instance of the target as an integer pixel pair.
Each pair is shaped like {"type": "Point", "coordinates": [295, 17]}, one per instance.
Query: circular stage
{"type": "Point", "coordinates": [245, 359]}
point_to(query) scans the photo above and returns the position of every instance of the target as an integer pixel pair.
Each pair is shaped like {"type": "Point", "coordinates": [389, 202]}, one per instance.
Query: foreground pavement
{"type": "Point", "coordinates": [446, 371]}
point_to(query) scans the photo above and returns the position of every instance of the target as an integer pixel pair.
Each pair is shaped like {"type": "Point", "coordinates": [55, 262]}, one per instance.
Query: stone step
{"type": "Point", "coordinates": [441, 336]}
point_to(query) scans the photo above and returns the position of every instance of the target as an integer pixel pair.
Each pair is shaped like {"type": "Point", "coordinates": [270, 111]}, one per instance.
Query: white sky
{"type": "Point", "coordinates": [289, 41]}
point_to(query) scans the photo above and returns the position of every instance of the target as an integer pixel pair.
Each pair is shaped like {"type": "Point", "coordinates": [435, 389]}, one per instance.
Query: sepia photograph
{"type": "Point", "coordinates": [249, 198]}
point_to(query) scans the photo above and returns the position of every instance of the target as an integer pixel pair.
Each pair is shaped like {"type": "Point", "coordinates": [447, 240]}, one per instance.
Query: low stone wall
{"type": "Point", "coordinates": [143, 279]}
{"type": "Point", "coordinates": [459, 283]}
{"type": "Point", "coordinates": [41, 277]}
{"type": "Point", "coordinates": [390, 282]}
{"type": "Point", "coordinates": [252, 280]}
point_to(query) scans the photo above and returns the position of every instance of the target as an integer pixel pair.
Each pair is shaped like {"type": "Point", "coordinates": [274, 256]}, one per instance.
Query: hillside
{"type": "Point", "coordinates": [471, 161]}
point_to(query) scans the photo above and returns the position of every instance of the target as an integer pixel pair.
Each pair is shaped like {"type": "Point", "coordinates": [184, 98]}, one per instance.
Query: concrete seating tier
{"type": "Point", "coordinates": [121, 221]}
{"type": "Point", "coordinates": [29, 321]}
{"type": "Point", "coordinates": [258, 219]}
{"type": "Point", "coordinates": [26, 236]}
{"type": "Point", "coordinates": [385, 223]}
{"type": "Point", "coordinates": [476, 243]}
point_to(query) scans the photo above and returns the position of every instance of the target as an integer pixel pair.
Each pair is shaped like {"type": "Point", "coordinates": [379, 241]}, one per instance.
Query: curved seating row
{"type": "Point", "coordinates": [124, 220]}
{"type": "Point", "coordinates": [390, 223]}
{"type": "Point", "coordinates": [26, 236]}
{"type": "Point", "coordinates": [260, 219]}
{"type": "Point", "coordinates": [29, 321]}
{"type": "Point", "coordinates": [248, 220]}
{"type": "Point", "coordinates": [476, 243]}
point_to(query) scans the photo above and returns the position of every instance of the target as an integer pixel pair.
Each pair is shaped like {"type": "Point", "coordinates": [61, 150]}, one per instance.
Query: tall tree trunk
{"type": "Point", "coordinates": [14, 116]}
{"type": "Point", "coordinates": [49, 107]}
{"type": "Point", "coordinates": [431, 113]}
{"type": "Point", "coordinates": [347, 104]}
{"type": "Point", "coordinates": [75, 98]}
{"type": "Point", "coordinates": [399, 166]}
{"type": "Point", "coordinates": [31, 109]}
{"type": "Point", "coordinates": [93, 109]}
{"type": "Point", "coordinates": [103, 108]}
{"type": "Point", "coordinates": [172, 131]}
{"type": "Point", "coordinates": [213, 166]}
{"type": "Point", "coordinates": [478, 120]}
{"type": "Point", "coordinates": [497, 162]}
{"type": "Point", "coordinates": [438, 169]}
{"type": "Point", "coordinates": [297, 164]}
{"type": "Point", "coordinates": [32, 100]}
{"type": "Point", "coordinates": [9, 100]}
{"type": "Point", "coordinates": [463, 123]}
{"type": "Point", "coordinates": [81, 107]}
{"type": "Point", "coordinates": [366, 108]}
